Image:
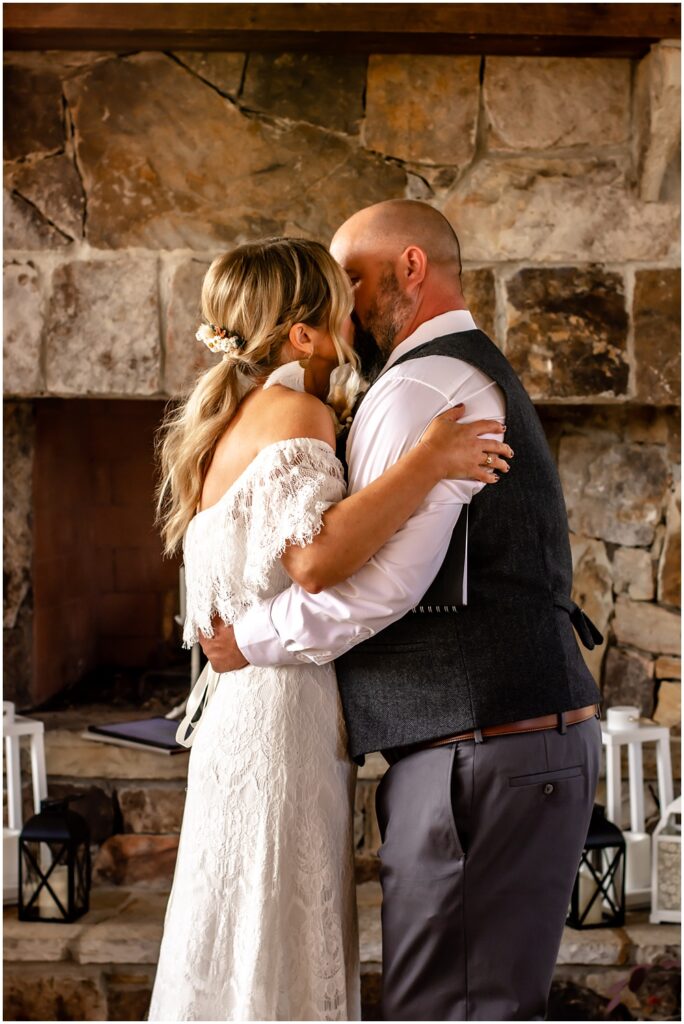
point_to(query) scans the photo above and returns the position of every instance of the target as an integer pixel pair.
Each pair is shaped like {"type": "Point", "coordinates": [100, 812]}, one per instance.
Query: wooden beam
{"type": "Point", "coordinates": [608, 29]}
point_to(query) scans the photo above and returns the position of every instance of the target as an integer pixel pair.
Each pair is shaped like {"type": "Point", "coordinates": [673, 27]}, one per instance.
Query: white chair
{"type": "Point", "coordinates": [638, 859]}
{"type": "Point", "coordinates": [14, 727]}
{"type": "Point", "coordinates": [634, 738]}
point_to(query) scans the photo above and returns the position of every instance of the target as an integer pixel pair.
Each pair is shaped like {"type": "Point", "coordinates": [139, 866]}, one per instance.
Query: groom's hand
{"type": "Point", "coordinates": [223, 653]}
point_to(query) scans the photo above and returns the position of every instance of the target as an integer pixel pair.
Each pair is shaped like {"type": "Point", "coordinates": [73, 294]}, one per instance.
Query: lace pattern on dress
{"type": "Point", "coordinates": [279, 499]}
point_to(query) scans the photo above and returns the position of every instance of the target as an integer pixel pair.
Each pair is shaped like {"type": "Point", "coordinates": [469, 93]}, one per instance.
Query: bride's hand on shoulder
{"type": "Point", "coordinates": [458, 450]}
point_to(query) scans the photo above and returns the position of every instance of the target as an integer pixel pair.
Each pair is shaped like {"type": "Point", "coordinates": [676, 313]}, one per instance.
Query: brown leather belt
{"type": "Point", "coordinates": [559, 721]}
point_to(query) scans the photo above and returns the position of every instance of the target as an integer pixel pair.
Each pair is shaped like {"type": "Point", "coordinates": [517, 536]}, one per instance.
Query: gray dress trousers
{"type": "Point", "coordinates": [481, 845]}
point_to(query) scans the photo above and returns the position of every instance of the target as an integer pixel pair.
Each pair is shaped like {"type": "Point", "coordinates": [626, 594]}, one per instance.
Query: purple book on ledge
{"type": "Point", "coordinates": [158, 735]}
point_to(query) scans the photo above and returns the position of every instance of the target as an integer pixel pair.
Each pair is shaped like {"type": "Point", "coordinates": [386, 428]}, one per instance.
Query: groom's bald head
{"type": "Point", "coordinates": [404, 262]}
{"type": "Point", "coordinates": [390, 227]}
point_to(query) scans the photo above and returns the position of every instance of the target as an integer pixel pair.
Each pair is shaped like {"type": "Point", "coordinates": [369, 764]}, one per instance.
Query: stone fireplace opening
{"type": "Point", "coordinates": [104, 596]}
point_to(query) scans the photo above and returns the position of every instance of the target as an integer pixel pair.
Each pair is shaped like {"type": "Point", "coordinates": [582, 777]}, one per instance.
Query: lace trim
{"type": "Point", "coordinates": [231, 549]}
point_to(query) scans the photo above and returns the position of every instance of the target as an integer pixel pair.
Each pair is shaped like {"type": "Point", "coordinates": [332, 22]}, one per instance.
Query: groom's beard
{"type": "Point", "coordinates": [371, 359]}
{"type": "Point", "coordinates": [385, 318]}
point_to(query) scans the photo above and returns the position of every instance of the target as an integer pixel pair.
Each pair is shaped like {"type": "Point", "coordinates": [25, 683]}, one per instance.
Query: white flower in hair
{"type": "Point", "coordinates": [218, 339]}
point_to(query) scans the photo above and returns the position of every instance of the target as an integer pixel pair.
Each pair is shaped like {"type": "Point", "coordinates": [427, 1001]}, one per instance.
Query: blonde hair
{"type": "Point", "coordinates": [258, 291]}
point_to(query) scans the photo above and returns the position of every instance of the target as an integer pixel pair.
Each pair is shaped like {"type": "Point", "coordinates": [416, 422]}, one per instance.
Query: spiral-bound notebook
{"type": "Point", "coordinates": [157, 735]}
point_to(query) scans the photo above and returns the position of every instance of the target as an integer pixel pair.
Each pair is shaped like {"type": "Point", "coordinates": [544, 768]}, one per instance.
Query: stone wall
{"type": "Point", "coordinates": [126, 173]}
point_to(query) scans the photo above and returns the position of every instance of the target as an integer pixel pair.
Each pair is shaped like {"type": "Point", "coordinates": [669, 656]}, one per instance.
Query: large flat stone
{"type": "Point", "coordinates": [593, 946]}
{"type": "Point", "coordinates": [628, 679]}
{"type": "Point", "coordinates": [633, 573]}
{"type": "Point", "coordinates": [67, 754]}
{"type": "Point", "coordinates": [668, 668]}
{"type": "Point", "coordinates": [657, 342]}
{"type": "Point", "coordinates": [650, 941]}
{"type": "Point", "coordinates": [647, 626]}
{"type": "Point", "coordinates": [374, 767]}
{"type": "Point", "coordinates": [554, 102]}
{"type": "Point", "coordinates": [62, 993]}
{"type": "Point", "coordinates": [132, 937]}
{"type": "Point", "coordinates": [369, 899]}
{"type": "Point", "coordinates": [25, 228]}
{"type": "Point", "coordinates": [613, 491]}
{"type": "Point", "coordinates": [366, 868]}
{"type": "Point", "coordinates": [648, 424]}
{"type": "Point", "coordinates": [155, 809]}
{"type": "Point", "coordinates": [567, 332]}
{"type": "Point", "coordinates": [508, 209]}
{"type": "Point", "coordinates": [669, 577]}
{"type": "Point", "coordinates": [187, 169]}
{"type": "Point", "coordinates": [367, 835]}
{"type": "Point", "coordinates": [24, 324]}
{"type": "Point", "coordinates": [480, 294]}
{"type": "Point", "coordinates": [185, 358]}
{"type": "Point", "coordinates": [657, 116]}
{"type": "Point", "coordinates": [102, 336]}
{"type": "Point", "coordinates": [222, 70]}
{"type": "Point", "coordinates": [32, 103]}
{"type": "Point", "coordinates": [593, 591]}
{"type": "Point", "coordinates": [669, 706]}
{"type": "Point", "coordinates": [37, 942]}
{"type": "Point", "coordinates": [323, 89]}
{"type": "Point", "coordinates": [54, 188]}
{"type": "Point", "coordinates": [422, 109]}
{"type": "Point", "coordinates": [34, 941]}
{"type": "Point", "coordinates": [141, 860]}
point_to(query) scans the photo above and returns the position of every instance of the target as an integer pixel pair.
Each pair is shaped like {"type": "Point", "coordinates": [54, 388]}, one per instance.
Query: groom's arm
{"type": "Point", "coordinates": [298, 626]}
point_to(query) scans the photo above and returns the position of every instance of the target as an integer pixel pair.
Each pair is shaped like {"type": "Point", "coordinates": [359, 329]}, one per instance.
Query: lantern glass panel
{"type": "Point", "coordinates": [82, 871]}
{"type": "Point", "coordinates": [598, 897]}
{"type": "Point", "coordinates": [45, 880]}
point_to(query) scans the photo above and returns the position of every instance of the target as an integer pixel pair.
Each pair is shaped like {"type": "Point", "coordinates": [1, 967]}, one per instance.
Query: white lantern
{"type": "Point", "coordinates": [667, 861]}
{"type": "Point", "coordinates": [14, 727]}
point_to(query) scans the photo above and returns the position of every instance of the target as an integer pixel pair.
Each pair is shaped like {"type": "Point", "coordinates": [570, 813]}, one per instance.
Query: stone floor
{"type": "Point", "coordinates": [102, 967]}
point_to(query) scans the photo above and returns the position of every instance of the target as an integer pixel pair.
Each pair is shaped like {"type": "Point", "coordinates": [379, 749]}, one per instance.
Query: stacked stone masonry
{"type": "Point", "coordinates": [126, 173]}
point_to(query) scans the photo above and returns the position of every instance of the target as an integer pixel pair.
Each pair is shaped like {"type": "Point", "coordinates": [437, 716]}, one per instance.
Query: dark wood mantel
{"type": "Point", "coordinates": [577, 29]}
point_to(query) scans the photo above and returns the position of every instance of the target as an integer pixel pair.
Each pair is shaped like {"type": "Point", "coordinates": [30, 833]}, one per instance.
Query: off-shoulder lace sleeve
{"type": "Point", "coordinates": [232, 549]}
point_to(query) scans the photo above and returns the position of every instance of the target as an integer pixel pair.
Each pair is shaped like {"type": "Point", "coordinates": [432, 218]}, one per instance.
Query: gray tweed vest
{"type": "Point", "coordinates": [510, 653]}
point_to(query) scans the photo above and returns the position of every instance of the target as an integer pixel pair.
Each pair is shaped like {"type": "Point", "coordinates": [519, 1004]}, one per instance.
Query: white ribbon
{"type": "Point", "coordinates": [198, 700]}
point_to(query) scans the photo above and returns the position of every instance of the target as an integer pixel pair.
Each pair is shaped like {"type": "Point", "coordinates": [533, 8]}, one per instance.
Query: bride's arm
{"type": "Point", "coordinates": [361, 524]}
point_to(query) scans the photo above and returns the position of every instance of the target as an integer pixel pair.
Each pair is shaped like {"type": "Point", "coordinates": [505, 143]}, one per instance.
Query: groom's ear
{"type": "Point", "coordinates": [413, 264]}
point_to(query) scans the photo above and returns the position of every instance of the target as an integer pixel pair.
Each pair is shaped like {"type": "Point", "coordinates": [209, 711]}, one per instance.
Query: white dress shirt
{"type": "Point", "coordinates": [298, 626]}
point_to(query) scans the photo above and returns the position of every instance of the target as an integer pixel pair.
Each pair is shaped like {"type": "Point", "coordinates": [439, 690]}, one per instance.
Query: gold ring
{"type": "Point", "coordinates": [488, 460]}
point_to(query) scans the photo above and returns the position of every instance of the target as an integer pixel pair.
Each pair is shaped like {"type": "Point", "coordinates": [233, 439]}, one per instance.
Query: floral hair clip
{"type": "Point", "coordinates": [220, 339]}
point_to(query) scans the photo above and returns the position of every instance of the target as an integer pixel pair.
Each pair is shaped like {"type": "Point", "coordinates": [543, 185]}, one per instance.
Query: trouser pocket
{"type": "Point", "coordinates": [545, 778]}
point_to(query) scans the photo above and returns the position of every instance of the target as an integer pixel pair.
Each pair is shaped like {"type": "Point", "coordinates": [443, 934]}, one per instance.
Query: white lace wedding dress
{"type": "Point", "coordinates": [261, 920]}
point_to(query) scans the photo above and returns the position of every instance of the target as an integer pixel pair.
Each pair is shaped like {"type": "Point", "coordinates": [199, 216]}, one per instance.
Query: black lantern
{"type": "Point", "coordinates": [54, 864]}
{"type": "Point", "coordinates": [598, 898]}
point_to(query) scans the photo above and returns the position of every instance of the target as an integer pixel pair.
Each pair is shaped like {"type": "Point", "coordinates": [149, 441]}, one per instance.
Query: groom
{"type": "Point", "coordinates": [455, 653]}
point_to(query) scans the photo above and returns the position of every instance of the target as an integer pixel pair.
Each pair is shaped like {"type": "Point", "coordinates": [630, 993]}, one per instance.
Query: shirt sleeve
{"type": "Point", "coordinates": [298, 626]}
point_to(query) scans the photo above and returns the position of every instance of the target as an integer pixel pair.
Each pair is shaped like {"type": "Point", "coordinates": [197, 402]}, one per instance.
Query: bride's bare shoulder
{"type": "Point", "coordinates": [285, 413]}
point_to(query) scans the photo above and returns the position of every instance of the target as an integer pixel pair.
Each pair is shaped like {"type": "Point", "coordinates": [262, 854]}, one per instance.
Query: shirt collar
{"type": "Point", "coordinates": [452, 322]}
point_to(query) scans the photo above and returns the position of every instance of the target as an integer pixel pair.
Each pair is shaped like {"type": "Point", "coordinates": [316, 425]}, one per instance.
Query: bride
{"type": "Point", "coordinates": [260, 923]}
